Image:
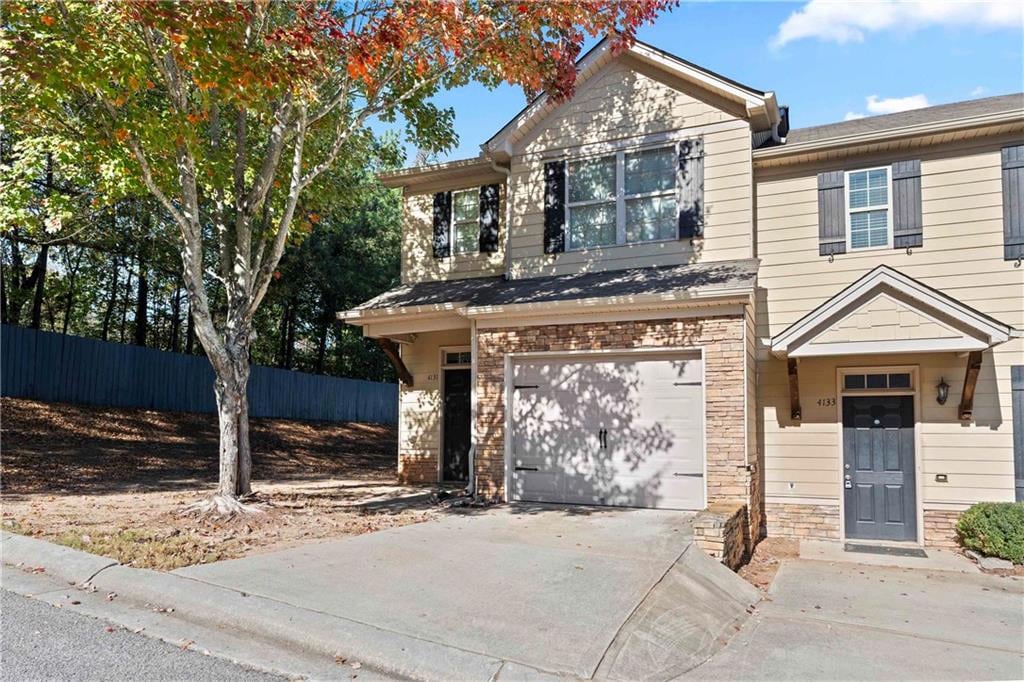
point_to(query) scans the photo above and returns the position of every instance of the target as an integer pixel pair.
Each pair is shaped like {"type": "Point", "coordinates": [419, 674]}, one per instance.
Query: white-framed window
{"type": "Point", "coordinates": [869, 209]}
{"type": "Point", "coordinates": [621, 198]}
{"type": "Point", "coordinates": [591, 202]}
{"type": "Point", "coordinates": [465, 237]}
{"type": "Point", "coordinates": [650, 195]}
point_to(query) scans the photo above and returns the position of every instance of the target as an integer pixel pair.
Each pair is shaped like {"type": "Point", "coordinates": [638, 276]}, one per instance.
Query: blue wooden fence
{"type": "Point", "coordinates": [71, 369]}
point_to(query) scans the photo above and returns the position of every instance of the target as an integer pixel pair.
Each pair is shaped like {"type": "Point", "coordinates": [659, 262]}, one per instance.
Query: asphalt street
{"type": "Point", "coordinates": [42, 642]}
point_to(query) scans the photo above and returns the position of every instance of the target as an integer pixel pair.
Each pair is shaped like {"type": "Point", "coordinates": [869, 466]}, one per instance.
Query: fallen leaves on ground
{"type": "Point", "coordinates": [114, 483]}
{"type": "Point", "coordinates": [768, 556]}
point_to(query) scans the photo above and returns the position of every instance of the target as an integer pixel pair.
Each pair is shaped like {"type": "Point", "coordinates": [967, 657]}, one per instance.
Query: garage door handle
{"type": "Point", "coordinates": [688, 475]}
{"type": "Point", "coordinates": [524, 386]}
{"type": "Point", "coordinates": [686, 383]}
{"type": "Point", "coordinates": [527, 469]}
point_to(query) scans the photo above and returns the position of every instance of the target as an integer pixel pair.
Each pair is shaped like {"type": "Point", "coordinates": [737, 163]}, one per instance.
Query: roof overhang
{"type": "Point", "coordinates": [921, 319]}
{"type": "Point", "coordinates": [399, 322]}
{"type": "Point", "coordinates": [445, 176]}
{"type": "Point", "coordinates": [761, 107]}
{"type": "Point", "coordinates": [889, 139]}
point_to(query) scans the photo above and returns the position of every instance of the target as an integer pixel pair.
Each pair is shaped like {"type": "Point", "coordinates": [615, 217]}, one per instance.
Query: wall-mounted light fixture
{"type": "Point", "coordinates": [942, 392]}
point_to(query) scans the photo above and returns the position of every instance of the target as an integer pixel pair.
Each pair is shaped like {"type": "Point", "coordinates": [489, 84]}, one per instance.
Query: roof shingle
{"type": "Point", "coordinates": [496, 291]}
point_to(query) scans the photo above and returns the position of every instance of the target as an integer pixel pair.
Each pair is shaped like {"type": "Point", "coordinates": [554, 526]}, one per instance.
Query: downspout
{"type": "Point", "coordinates": [474, 346]}
{"type": "Point", "coordinates": [507, 172]}
{"type": "Point", "coordinates": [473, 433]}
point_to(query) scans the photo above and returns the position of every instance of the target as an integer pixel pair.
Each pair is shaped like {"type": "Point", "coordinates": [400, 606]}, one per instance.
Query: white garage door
{"type": "Point", "coordinates": [623, 431]}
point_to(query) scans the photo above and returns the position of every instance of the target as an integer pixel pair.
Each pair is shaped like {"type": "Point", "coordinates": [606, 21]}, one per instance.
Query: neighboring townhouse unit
{"type": "Point", "coordinates": [657, 295]}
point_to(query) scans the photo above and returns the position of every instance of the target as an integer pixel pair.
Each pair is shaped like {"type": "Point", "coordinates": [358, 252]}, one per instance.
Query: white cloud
{"type": "Point", "coordinates": [846, 22]}
{"type": "Point", "coordinates": [876, 106]}
{"type": "Point", "coordinates": [894, 105]}
{"type": "Point", "coordinates": [979, 91]}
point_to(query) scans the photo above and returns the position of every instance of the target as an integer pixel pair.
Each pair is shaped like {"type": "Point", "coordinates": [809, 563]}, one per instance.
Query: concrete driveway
{"type": "Point", "coordinates": [617, 594]}
{"type": "Point", "coordinates": [844, 621]}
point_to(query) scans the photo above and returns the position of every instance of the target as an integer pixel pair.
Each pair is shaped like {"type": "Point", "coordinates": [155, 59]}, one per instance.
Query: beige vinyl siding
{"type": "Point", "coordinates": [961, 257]}
{"type": "Point", "coordinates": [418, 262]}
{"type": "Point", "coordinates": [883, 319]}
{"type": "Point", "coordinates": [621, 106]}
{"type": "Point", "coordinates": [419, 428]}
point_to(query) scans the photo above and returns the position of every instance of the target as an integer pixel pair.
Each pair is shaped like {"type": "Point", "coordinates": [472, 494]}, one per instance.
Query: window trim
{"type": "Point", "coordinates": [453, 251]}
{"type": "Point", "coordinates": [847, 211]}
{"type": "Point", "coordinates": [620, 197]}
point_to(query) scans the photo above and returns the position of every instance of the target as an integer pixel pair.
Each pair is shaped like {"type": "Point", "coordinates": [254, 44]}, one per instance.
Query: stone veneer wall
{"type": "Point", "coordinates": [722, 340]}
{"type": "Point", "coordinates": [810, 521]}
{"type": "Point", "coordinates": [723, 531]}
{"type": "Point", "coordinates": [821, 522]}
{"type": "Point", "coordinates": [940, 529]}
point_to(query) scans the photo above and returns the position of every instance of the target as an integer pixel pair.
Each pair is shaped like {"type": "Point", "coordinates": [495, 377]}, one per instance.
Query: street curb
{"type": "Point", "coordinates": [262, 618]}
{"type": "Point", "coordinates": [61, 562]}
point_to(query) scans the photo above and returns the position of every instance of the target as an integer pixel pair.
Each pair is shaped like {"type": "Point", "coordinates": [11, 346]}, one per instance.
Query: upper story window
{"type": "Point", "coordinates": [466, 221]}
{"type": "Point", "coordinates": [650, 195]}
{"type": "Point", "coordinates": [622, 198]}
{"type": "Point", "coordinates": [592, 202]}
{"type": "Point", "coordinates": [868, 208]}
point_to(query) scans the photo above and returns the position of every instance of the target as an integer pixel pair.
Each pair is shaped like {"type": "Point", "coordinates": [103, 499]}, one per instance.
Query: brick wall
{"type": "Point", "coordinates": [940, 529]}
{"type": "Point", "coordinates": [811, 521]}
{"type": "Point", "coordinates": [722, 340]}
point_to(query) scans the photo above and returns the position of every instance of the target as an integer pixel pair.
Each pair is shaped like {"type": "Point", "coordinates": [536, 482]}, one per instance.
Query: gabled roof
{"type": "Point", "coordinates": [959, 327]}
{"type": "Point", "coordinates": [758, 103]}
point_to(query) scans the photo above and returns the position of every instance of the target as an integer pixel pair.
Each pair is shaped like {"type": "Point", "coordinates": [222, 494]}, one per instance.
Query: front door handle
{"type": "Point", "coordinates": [602, 438]}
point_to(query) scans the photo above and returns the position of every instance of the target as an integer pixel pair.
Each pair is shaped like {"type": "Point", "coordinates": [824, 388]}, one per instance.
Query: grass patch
{"type": "Point", "coordinates": [142, 548]}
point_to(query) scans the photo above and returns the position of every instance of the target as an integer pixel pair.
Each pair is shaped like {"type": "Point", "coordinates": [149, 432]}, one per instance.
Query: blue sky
{"type": "Point", "coordinates": [823, 59]}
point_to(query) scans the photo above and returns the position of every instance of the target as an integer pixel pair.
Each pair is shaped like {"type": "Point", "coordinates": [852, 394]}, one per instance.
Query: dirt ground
{"type": "Point", "coordinates": [114, 481]}
{"type": "Point", "coordinates": [764, 563]}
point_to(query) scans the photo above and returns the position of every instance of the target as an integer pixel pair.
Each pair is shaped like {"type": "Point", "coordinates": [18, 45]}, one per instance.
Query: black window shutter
{"type": "Point", "coordinates": [1013, 202]}
{"type": "Point", "coordinates": [907, 224]}
{"type": "Point", "coordinates": [442, 224]}
{"type": "Point", "coordinates": [489, 211]}
{"type": "Point", "coordinates": [1017, 410]}
{"type": "Point", "coordinates": [690, 185]}
{"type": "Point", "coordinates": [554, 206]}
{"type": "Point", "coordinates": [831, 213]}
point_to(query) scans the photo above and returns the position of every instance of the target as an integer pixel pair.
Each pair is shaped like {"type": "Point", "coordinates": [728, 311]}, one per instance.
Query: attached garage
{"type": "Point", "coordinates": [620, 430]}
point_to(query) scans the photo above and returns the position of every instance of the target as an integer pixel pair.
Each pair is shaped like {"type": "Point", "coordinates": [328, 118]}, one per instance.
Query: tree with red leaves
{"type": "Point", "coordinates": [228, 112]}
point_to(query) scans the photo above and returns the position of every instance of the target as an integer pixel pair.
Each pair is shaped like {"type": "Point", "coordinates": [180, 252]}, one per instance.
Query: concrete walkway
{"type": "Point", "coordinates": [843, 621]}
{"type": "Point", "coordinates": [566, 590]}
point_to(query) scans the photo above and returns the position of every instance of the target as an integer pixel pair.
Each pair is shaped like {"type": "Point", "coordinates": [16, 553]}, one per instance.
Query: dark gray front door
{"type": "Point", "coordinates": [456, 425]}
{"type": "Point", "coordinates": [878, 467]}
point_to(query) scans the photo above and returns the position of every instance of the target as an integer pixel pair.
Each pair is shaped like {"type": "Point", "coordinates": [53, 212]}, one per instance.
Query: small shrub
{"type": "Point", "coordinates": [994, 529]}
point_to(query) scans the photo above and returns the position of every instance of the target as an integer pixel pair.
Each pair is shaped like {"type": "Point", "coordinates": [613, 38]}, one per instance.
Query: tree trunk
{"type": "Point", "coordinates": [124, 304]}
{"type": "Point", "coordinates": [190, 333]}
{"type": "Point", "coordinates": [232, 371]}
{"type": "Point", "coordinates": [282, 336]}
{"type": "Point", "coordinates": [3, 293]}
{"type": "Point", "coordinates": [321, 345]}
{"type": "Point", "coordinates": [112, 300]}
{"type": "Point", "coordinates": [39, 275]}
{"type": "Point", "coordinates": [289, 354]}
{"type": "Point", "coordinates": [142, 292]}
{"type": "Point", "coordinates": [176, 317]}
